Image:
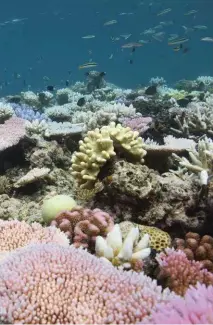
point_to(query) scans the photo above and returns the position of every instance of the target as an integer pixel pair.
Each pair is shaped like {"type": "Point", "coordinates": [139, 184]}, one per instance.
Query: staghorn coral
{"type": "Point", "coordinates": [158, 239]}
{"type": "Point", "coordinates": [99, 146]}
{"type": "Point", "coordinates": [82, 226]}
{"type": "Point", "coordinates": [128, 253]}
{"type": "Point", "coordinates": [195, 308]}
{"type": "Point", "coordinates": [197, 248]}
{"type": "Point", "coordinates": [201, 160]}
{"type": "Point", "coordinates": [15, 234]}
{"type": "Point", "coordinates": [51, 284]}
{"type": "Point", "coordinates": [179, 273]}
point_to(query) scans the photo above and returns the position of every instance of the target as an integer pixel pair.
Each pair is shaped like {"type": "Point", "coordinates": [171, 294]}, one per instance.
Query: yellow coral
{"type": "Point", "coordinates": [99, 146]}
{"type": "Point", "coordinates": [159, 239]}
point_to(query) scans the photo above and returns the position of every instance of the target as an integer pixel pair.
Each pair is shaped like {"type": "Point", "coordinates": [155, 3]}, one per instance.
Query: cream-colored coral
{"type": "Point", "coordinates": [35, 174]}
{"type": "Point", "coordinates": [158, 239]}
{"type": "Point", "coordinates": [99, 146]}
{"type": "Point", "coordinates": [127, 253]}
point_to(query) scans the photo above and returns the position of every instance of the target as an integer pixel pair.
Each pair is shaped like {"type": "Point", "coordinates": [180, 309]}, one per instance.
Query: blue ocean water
{"type": "Point", "coordinates": [49, 41]}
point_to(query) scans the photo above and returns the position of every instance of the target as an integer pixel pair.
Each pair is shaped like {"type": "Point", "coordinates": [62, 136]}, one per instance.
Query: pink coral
{"type": "Point", "coordinates": [15, 234]}
{"type": "Point", "coordinates": [82, 226]}
{"type": "Point", "coordinates": [140, 124]}
{"type": "Point", "coordinates": [49, 284]}
{"type": "Point", "coordinates": [195, 308]}
{"type": "Point", "coordinates": [11, 132]}
{"type": "Point", "coordinates": [179, 272]}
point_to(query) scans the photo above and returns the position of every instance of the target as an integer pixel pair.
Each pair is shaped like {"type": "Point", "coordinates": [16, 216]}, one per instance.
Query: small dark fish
{"type": "Point", "coordinates": [81, 101]}
{"type": "Point", "coordinates": [67, 83]}
{"type": "Point", "coordinates": [50, 88]}
{"type": "Point", "coordinates": [102, 74]}
{"type": "Point", "coordinates": [69, 72]}
{"type": "Point", "coordinates": [133, 49]}
{"type": "Point", "coordinates": [185, 50]}
{"type": "Point", "coordinates": [201, 86]}
{"type": "Point", "coordinates": [131, 61]}
{"type": "Point", "coordinates": [152, 90]}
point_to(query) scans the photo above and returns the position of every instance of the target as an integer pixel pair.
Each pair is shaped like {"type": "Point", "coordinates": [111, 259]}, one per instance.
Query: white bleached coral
{"type": "Point", "coordinates": [6, 111]}
{"type": "Point", "coordinates": [128, 253]}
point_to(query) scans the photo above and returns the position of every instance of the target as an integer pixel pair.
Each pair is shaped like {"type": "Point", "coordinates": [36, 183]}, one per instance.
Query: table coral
{"type": "Point", "coordinates": [15, 234]}
{"type": "Point", "coordinates": [51, 284]}
{"type": "Point", "coordinates": [179, 273]}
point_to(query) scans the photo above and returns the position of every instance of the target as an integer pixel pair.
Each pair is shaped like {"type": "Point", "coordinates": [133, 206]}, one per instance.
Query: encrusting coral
{"type": "Point", "coordinates": [15, 234]}
{"type": "Point", "coordinates": [158, 239]}
{"type": "Point", "coordinates": [51, 284]}
{"type": "Point", "coordinates": [128, 254]}
{"type": "Point", "coordinates": [198, 248]}
{"type": "Point", "coordinates": [82, 226]}
{"type": "Point", "coordinates": [179, 273]}
{"type": "Point", "coordinates": [99, 146]}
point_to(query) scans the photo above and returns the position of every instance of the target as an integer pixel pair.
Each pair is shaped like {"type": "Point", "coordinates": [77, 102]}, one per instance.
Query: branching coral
{"type": "Point", "coordinates": [82, 226]}
{"type": "Point", "coordinates": [15, 234]}
{"type": "Point", "coordinates": [201, 160]}
{"type": "Point", "coordinates": [128, 254]}
{"type": "Point", "coordinates": [197, 248]}
{"type": "Point", "coordinates": [195, 308]}
{"type": "Point", "coordinates": [179, 273]}
{"type": "Point", "coordinates": [99, 146]}
{"type": "Point", "coordinates": [51, 284]}
{"type": "Point", "coordinates": [6, 111]}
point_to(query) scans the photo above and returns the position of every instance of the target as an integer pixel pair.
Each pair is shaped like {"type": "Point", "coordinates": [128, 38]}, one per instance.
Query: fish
{"type": "Point", "coordinates": [17, 20]}
{"type": "Point", "coordinates": [188, 29]}
{"type": "Point", "coordinates": [88, 65]}
{"type": "Point", "coordinates": [167, 23]}
{"type": "Point", "coordinates": [152, 90]}
{"type": "Point", "coordinates": [159, 36]}
{"type": "Point", "coordinates": [131, 45]}
{"type": "Point", "coordinates": [88, 36]}
{"type": "Point", "coordinates": [172, 37]}
{"type": "Point", "coordinates": [177, 48]}
{"type": "Point", "coordinates": [163, 12]}
{"type": "Point", "coordinates": [50, 88]}
{"type": "Point", "coordinates": [110, 22]}
{"type": "Point", "coordinates": [148, 31]}
{"type": "Point", "coordinates": [207, 39]}
{"type": "Point", "coordinates": [81, 101]}
{"type": "Point", "coordinates": [67, 83]}
{"type": "Point", "coordinates": [131, 61]}
{"type": "Point", "coordinates": [200, 27]}
{"type": "Point", "coordinates": [126, 36]}
{"type": "Point", "coordinates": [191, 12]}
{"type": "Point", "coordinates": [178, 41]}
{"type": "Point", "coordinates": [111, 56]}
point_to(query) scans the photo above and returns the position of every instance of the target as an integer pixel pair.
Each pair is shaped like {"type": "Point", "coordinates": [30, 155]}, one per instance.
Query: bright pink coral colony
{"type": "Point", "coordinates": [51, 284]}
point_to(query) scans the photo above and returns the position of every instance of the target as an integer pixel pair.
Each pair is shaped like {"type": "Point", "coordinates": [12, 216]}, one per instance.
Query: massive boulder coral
{"type": "Point", "coordinates": [99, 146]}
{"type": "Point", "coordinates": [51, 284]}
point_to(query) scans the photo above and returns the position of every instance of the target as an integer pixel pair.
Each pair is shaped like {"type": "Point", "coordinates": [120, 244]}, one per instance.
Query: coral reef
{"type": "Point", "coordinates": [179, 273]}
{"type": "Point", "coordinates": [82, 226]}
{"type": "Point", "coordinates": [128, 253]}
{"type": "Point", "coordinates": [72, 287]}
{"type": "Point", "coordinates": [11, 132]}
{"type": "Point", "coordinates": [158, 239]}
{"type": "Point", "coordinates": [15, 234]}
{"type": "Point", "coordinates": [99, 146]}
{"type": "Point", "coordinates": [195, 308]}
{"type": "Point", "coordinates": [196, 247]}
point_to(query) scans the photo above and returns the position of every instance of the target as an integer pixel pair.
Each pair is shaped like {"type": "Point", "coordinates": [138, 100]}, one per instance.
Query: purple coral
{"type": "Point", "coordinates": [51, 284]}
{"type": "Point", "coordinates": [195, 308]}
{"type": "Point", "coordinates": [140, 124]}
{"type": "Point", "coordinates": [27, 113]}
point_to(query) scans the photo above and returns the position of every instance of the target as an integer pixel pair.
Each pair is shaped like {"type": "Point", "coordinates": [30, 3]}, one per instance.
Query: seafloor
{"type": "Point", "coordinates": [106, 204]}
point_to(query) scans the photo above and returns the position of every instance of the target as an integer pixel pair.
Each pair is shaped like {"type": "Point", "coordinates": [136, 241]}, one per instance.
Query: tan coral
{"type": "Point", "coordinates": [99, 146]}
{"type": "Point", "coordinates": [159, 239]}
